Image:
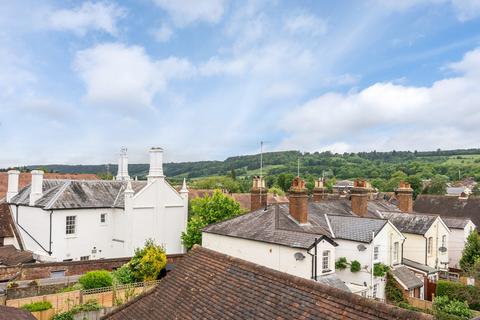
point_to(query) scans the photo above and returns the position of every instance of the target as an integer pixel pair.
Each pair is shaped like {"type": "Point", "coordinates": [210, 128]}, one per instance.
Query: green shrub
{"type": "Point", "coordinates": [443, 306]}
{"type": "Point", "coordinates": [37, 306]}
{"type": "Point", "coordinates": [458, 291]}
{"type": "Point", "coordinates": [90, 305]}
{"type": "Point", "coordinates": [148, 262]}
{"type": "Point", "coordinates": [341, 263]}
{"type": "Point", "coordinates": [96, 279]}
{"type": "Point", "coordinates": [123, 275]}
{"type": "Point", "coordinates": [393, 293]}
{"type": "Point", "coordinates": [355, 266]}
{"type": "Point", "coordinates": [76, 286]}
{"type": "Point", "coordinates": [379, 269]}
{"type": "Point", "coordinates": [68, 315]}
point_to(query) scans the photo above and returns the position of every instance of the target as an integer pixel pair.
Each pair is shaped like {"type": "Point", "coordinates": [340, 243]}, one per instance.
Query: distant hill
{"type": "Point", "coordinates": [371, 165]}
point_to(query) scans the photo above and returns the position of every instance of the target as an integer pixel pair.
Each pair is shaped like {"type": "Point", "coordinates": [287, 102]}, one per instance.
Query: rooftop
{"type": "Point", "coordinates": [410, 223]}
{"type": "Point", "coordinates": [10, 313]}
{"type": "Point", "coordinates": [11, 256]}
{"type": "Point", "coordinates": [70, 194]}
{"type": "Point", "coordinates": [406, 278]}
{"type": "Point", "coordinates": [448, 206]}
{"type": "Point", "coordinates": [210, 285]}
{"type": "Point", "coordinates": [419, 266]}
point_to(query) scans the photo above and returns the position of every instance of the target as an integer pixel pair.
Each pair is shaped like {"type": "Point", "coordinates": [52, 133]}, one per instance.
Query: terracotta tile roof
{"type": "Point", "coordinates": [211, 285]}
{"type": "Point", "coordinates": [6, 221]}
{"type": "Point", "coordinates": [448, 206]}
{"type": "Point", "coordinates": [10, 313]}
{"type": "Point", "coordinates": [11, 256]}
{"type": "Point", "coordinates": [26, 178]}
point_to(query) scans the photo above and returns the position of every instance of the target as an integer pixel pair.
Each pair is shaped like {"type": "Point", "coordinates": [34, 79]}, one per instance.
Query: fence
{"type": "Point", "coordinates": [107, 297]}
{"type": "Point", "coordinates": [419, 303]}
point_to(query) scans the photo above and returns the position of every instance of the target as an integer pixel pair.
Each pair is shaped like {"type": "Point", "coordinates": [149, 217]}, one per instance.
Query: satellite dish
{"type": "Point", "coordinates": [442, 249]}
{"type": "Point", "coordinates": [361, 247]}
{"type": "Point", "coordinates": [299, 256]}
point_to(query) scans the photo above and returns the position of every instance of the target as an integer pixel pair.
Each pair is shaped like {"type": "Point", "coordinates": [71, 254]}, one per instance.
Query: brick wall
{"type": "Point", "coordinates": [33, 271]}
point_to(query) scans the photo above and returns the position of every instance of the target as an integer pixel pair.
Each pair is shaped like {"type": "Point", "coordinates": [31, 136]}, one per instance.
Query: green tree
{"type": "Point", "coordinates": [148, 262]}
{"type": "Point", "coordinates": [438, 185]}
{"type": "Point", "coordinates": [471, 252]}
{"type": "Point", "coordinates": [205, 211]}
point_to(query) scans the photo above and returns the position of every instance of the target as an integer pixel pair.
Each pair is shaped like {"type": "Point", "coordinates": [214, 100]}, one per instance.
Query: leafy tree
{"type": "Point", "coordinates": [205, 211]}
{"type": "Point", "coordinates": [443, 306]}
{"type": "Point", "coordinates": [438, 185]}
{"type": "Point", "coordinates": [277, 191]}
{"type": "Point", "coordinates": [148, 262]}
{"type": "Point", "coordinates": [217, 183]}
{"type": "Point", "coordinates": [471, 252]}
{"type": "Point", "coordinates": [233, 175]}
{"type": "Point", "coordinates": [96, 279]}
{"type": "Point", "coordinates": [123, 275]}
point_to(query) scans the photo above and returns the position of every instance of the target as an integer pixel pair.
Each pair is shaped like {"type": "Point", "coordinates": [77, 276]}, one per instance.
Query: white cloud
{"type": "Point", "coordinates": [386, 116]}
{"type": "Point", "coordinates": [162, 34]}
{"type": "Point", "coordinates": [306, 24]}
{"type": "Point", "coordinates": [466, 9]}
{"type": "Point", "coordinates": [101, 16]}
{"type": "Point", "coordinates": [125, 76]}
{"type": "Point", "coordinates": [189, 11]}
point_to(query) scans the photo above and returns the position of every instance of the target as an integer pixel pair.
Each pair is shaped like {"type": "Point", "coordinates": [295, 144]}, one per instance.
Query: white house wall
{"type": "Point", "coordinates": [436, 231]}
{"type": "Point", "coordinates": [414, 247]}
{"type": "Point", "coordinates": [456, 243]}
{"type": "Point", "coordinates": [273, 256]}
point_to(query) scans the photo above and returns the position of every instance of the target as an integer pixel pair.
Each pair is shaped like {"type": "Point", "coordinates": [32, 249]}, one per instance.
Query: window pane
{"type": "Point", "coordinates": [70, 224]}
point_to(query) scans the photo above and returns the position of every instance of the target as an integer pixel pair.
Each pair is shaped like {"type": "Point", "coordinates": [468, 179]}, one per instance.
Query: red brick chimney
{"type": "Point", "coordinates": [404, 195]}
{"type": "Point", "coordinates": [319, 191]}
{"type": "Point", "coordinates": [298, 201]}
{"type": "Point", "coordinates": [258, 194]}
{"type": "Point", "coordinates": [359, 195]}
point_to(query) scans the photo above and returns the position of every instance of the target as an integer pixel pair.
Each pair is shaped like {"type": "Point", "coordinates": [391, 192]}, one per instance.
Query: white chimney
{"type": "Point", "coordinates": [12, 191]}
{"type": "Point", "coordinates": [122, 174]}
{"type": "Point", "coordinates": [36, 188]}
{"type": "Point", "coordinates": [156, 164]}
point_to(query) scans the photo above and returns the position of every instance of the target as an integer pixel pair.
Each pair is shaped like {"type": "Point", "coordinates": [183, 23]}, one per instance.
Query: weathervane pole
{"type": "Point", "coordinates": [298, 167]}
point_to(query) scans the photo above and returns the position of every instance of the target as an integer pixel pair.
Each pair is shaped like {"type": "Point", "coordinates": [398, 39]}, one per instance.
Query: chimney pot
{"type": "Point", "coordinates": [12, 191]}
{"type": "Point", "coordinates": [258, 194]}
{"type": "Point", "coordinates": [359, 197]}
{"type": "Point", "coordinates": [298, 201]}
{"type": "Point", "coordinates": [319, 191]}
{"type": "Point", "coordinates": [405, 197]}
{"type": "Point", "coordinates": [36, 188]}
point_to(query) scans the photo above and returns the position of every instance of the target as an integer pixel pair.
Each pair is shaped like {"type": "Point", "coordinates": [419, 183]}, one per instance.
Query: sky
{"type": "Point", "coordinates": [209, 79]}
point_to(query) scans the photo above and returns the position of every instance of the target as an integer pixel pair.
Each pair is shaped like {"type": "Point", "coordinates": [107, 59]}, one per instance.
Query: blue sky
{"type": "Point", "coordinates": [208, 79]}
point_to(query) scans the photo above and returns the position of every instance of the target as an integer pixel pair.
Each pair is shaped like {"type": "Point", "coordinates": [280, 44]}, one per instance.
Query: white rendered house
{"type": "Point", "coordinates": [460, 229]}
{"type": "Point", "coordinates": [81, 220]}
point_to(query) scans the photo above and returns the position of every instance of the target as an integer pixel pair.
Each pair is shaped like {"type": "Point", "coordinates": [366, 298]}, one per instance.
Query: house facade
{"type": "Point", "coordinates": [69, 220]}
{"type": "Point", "coordinates": [460, 229]}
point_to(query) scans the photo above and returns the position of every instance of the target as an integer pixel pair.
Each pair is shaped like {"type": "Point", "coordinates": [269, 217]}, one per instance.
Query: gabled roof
{"type": "Point", "coordinates": [355, 228]}
{"type": "Point", "coordinates": [71, 194]}
{"type": "Point", "coordinates": [448, 206]}
{"type": "Point", "coordinates": [410, 223]}
{"type": "Point", "coordinates": [273, 226]}
{"type": "Point", "coordinates": [211, 285]}
{"type": "Point", "coordinates": [406, 278]}
{"type": "Point", "coordinates": [456, 223]}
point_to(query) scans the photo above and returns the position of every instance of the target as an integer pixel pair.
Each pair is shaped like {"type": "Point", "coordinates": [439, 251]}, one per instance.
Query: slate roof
{"type": "Point", "coordinates": [456, 223]}
{"type": "Point", "coordinates": [410, 223]}
{"type": "Point", "coordinates": [210, 285]}
{"type": "Point", "coordinates": [25, 179]}
{"type": "Point", "coordinates": [344, 207]}
{"type": "Point", "coordinates": [10, 313]}
{"type": "Point", "coordinates": [71, 194]}
{"type": "Point", "coordinates": [419, 266]}
{"type": "Point", "coordinates": [406, 277]}
{"type": "Point", "coordinates": [448, 206]}
{"type": "Point", "coordinates": [332, 280]}
{"type": "Point", "coordinates": [272, 226]}
{"type": "Point", "coordinates": [355, 228]}
{"type": "Point", "coordinates": [6, 221]}
{"type": "Point", "coordinates": [11, 256]}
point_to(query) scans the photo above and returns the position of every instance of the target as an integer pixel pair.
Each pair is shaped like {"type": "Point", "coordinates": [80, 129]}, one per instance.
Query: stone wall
{"type": "Point", "coordinates": [31, 271]}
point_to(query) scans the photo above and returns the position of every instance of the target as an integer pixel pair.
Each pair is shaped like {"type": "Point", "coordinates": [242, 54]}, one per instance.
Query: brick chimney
{"type": "Point", "coordinates": [298, 201]}
{"type": "Point", "coordinates": [319, 191]}
{"type": "Point", "coordinates": [404, 195]}
{"type": "Point", "coordinates": [258, 195]}
{"type": "Point", "coordinates": [359, 195]}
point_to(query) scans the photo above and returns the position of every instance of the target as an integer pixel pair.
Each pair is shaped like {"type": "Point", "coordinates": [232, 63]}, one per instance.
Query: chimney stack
{"type": "Point", "coordinates": [12, 191]}
{"type": "Point", "coordinates": [258, 194]}
{"type": "Point", "coordinates": [319, 191]}
{"type": "Point", "coordinates": [156, 164]}
{"type": "Point", "coordinates": [359, 196]}
{"type": "Point", "coordinates": [298, 201]}
{"type": "Point", "coordinates": [36, 188]}
{"type": "Point", "coordinates": [122, 174]}
{"type": "Point", "coordinates": [405, 197]}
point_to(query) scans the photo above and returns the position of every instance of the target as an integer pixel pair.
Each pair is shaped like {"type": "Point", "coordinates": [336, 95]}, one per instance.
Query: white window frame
{"type": "Point", "coordinates": [430, 246]}
{"type": "Point", "coordinates": [376, 252]}
{"type": "Point", "coordinates": [395, 253]}
{"type": "Point", "coordinates": [326, 261]}
{"type": "Point", "coordinates": [70, 228]}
